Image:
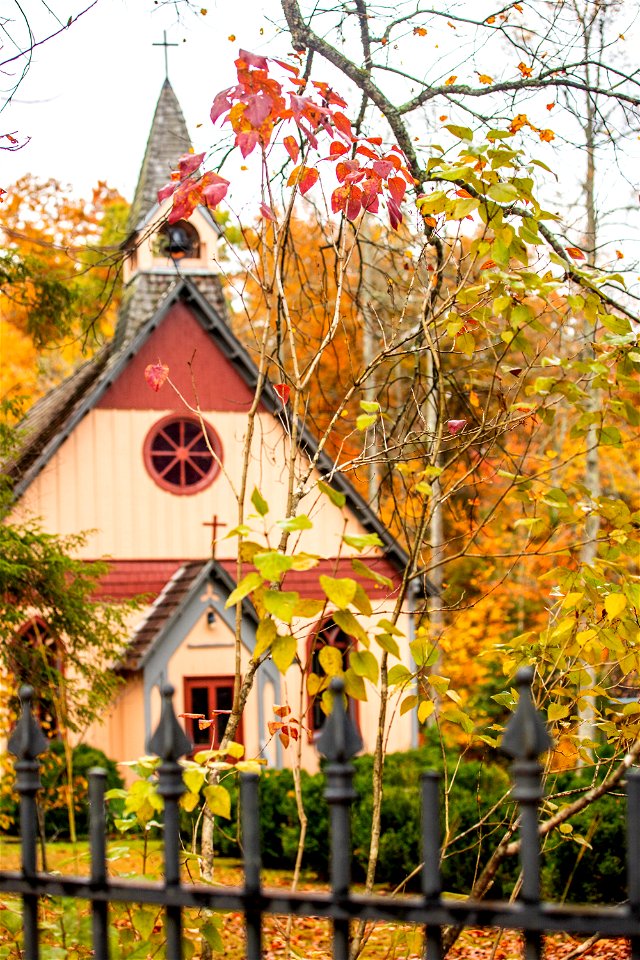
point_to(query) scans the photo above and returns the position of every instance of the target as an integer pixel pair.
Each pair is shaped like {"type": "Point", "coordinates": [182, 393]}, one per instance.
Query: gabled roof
{"type": "Point", "coordinates": [168, 140]}
{"type": "Point", "coordinates": [185, 584]}
{"type": "Point", "coordinates": [52, 419]}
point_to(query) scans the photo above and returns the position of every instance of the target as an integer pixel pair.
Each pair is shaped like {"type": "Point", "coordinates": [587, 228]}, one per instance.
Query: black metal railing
{"type": "Point", "coordinates": [525, 739]}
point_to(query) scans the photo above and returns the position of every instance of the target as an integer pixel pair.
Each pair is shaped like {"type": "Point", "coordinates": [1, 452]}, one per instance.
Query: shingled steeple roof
{"type": "Point", "coordinates": [168, 140]}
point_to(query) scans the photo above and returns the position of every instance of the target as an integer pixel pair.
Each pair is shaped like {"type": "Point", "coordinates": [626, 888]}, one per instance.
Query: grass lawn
{"type": "Point", "coordinates": [137, 934]}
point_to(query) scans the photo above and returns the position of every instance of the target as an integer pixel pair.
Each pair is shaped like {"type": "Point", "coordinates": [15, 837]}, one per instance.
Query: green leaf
{"type": "Point", "coordinates": [354, 685]}
{"type": "Point", "coordinates": [340, 591]}
{"type": "Point", "coordinates": [365, 571]}
{"type": "Point", "coordinates": [557, 711]}
{"type": "Point", "coordinates": [365, 420]}
{"type": "Point", "coordinates": [398, 674]}
{"type": "Point", "coordinates": [300, 522]}
{"type": "Point", "coordinates": [308, 608]}
{"type": "Point", "coordinates": [304, 561]}
{"type": "Point", "coordinates": [390, 627]}
{"type": "Point", "coordinates": [362, 540]}
{"type": "Point", "coordinates": [337, 498]}
{"type": "Point", "coordinates": [273, 564]}
{"type": "Point", "coordinates": [251, 582]}
{"type": "Point", "coordinates": [259, 502]}
{"type": "Point", "coordinates": [211, 934]}
{"type": "Point", "coordinates": [614, 324]}
{"type": "Point", "coordinates": [365, 665]}
{"type": "Point", "coordinates": [330, 660]}
{"type": "Point", "coordinates": [462, 133]}
{"type": "Point", "coordinates": [503, 192]}
{"type": "Point", "coordinates": [369, 406]}
{"type": "Point", "coordinates": [283, 650]}
{"type": "Point", "coordinates": [218, 800]}
{"type": "Point", "coordinates": [361, 602]}
{"type": "Point", "coordinates": [265, 635]}
{"type": "Point", "coordinates": [408, 704]}
{"type": "Point", "coordinates": [347, 622]}
{"type": "Point", "coordinates": [610, 437]}
{"type": "Point", "coordinates": [387, 642]}
{"type": "Point", "coordinates": [281, 604]}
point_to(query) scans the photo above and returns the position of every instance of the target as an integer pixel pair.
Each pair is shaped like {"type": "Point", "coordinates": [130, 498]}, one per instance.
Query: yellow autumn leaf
{"type": "Point", "coordinates": [485, 78]}
{"type": "Point", "coordinates": [614, 605]}
{"type": "Point", "coordinates": [452, 79]}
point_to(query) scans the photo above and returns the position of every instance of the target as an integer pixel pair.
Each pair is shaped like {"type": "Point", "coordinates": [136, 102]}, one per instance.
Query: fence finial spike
{"type": "Point", "coordinates": [526, 735]}
{"type": "Point", "coordinates": [339, 740]}
{"type": "Point", "coordinates": [27, 740]}
{"type": "Point", "coordinates": [169, 742]}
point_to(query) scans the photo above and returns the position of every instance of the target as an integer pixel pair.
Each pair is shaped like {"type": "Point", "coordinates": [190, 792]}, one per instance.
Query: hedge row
{"type": "Point", "coordinates": [585, 865]}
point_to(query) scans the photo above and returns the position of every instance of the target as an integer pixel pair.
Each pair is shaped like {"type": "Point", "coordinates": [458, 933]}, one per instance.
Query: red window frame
{"type": "Point", "coordinates": [166, 443]}
{"type": "Point", "coordinates": [204, 739]}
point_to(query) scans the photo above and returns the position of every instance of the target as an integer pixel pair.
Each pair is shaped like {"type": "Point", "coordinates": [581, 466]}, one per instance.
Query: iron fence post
{"type": "Point", "coordinates": [338, 742]}
{"type": "Point", "coordinates": [26, 743]}
{"type": "Point", "coordinates": [525, 739]}
{"type": "Point", "coordinates": [170, 743]}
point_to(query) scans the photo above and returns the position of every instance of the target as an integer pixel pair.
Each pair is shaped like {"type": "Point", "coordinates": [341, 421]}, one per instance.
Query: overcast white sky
{"type": "Point", "coordinates": [89, 95]}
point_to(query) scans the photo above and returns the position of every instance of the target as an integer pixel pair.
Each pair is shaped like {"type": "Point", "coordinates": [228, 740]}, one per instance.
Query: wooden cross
{"type": "Point", "coordinates": [214, 524]}
{"type": "Point", "coordinates": [165, 45]}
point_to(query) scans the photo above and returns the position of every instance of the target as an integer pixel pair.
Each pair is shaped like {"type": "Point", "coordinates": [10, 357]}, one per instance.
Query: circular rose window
{"type": "Point", "coordinates": [177, 455]}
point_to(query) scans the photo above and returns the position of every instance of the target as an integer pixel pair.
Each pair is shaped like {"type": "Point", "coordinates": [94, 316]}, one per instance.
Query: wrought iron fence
{"type": "Point", "coordinates": [525, 739]}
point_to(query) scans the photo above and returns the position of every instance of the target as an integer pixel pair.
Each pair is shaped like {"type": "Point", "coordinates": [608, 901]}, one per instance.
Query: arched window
{"type": "Point", "coordinates": [35, 658]}
{"type": "Point", "coordinates": [179, 240]}
{"type": "Point", "coordinates": [178, 456]}
{"type": "Point", "coordinates": [328, 634]}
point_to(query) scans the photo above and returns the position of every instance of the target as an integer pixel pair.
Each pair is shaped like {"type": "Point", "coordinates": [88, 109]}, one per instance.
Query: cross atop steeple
{"type": "Point", "coordinates": [165, 45]}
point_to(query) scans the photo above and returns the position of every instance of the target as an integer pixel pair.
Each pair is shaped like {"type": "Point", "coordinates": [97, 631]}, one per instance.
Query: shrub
{"type": "Point", "coordinates": [53, 796]}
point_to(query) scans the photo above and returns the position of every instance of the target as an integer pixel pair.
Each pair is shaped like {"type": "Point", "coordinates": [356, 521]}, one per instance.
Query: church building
{"type": "Point", "coordinates": [104, 453]}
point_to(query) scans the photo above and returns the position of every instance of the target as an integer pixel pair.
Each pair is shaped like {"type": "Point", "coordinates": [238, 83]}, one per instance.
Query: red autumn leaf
{"type": "Point", "coordinates": [267, 212]}
{"type": "Point", "coordinates": [293, 733]}
{"type": "Point", "coordinates": [221, 104]}
{"type": "Point", "coordinates": [284, 392]}
{"type": "Point", "coordinates": [383, 168]}
{"type": "Point", "coordinates": [339, 199]}
{"type": "Point", "coordinates": [282, 710]}
{"type": "Point", "coordinates": [292, 148]}
{"type": "Point", "coordinates": [462, 193]}
{"type": "Point", "coordinates": [287, 66]}
{"type": "Point", "coordinates": [337, 149]}
{"type": "Point", "coordinates": [189, 163]}
{"type": "Point", "coordinates": [397, 188]}
{"type": "Point", "coordinates": [247, 142]}
{"type": "Point", "coordinates": [343, 124]}
{"type": "Point", "coordinates": [284, 739]}
{"type": "Point", "coordinates": [185, 199]}
{"type": "Point", "coordinates": [354, 202]}
{"type": "Point", "coordinates": [192, 716]}
{"type": "Point", "coordinates": [205, 724]}
{"type": "Point", "coordinates": [253, 60]}
{"type": "Point", "coordinates": [214, 189]}
{"type": "Point", "coordinates": [274, 726]}
{"type": "Point", "coordinates": [305, 177]}
{"type": "Point", "coordinates": [155, 374]}
{"type": "Point", "coordinates": [488, 264]}
{"type": "Point", "coordinates": [376, 141]}
{"type": "Point", "coordinates": [166, 191]}
{"type": "Point", "coordinates": [366, 152]}
{"type": "Point", "coordinates": [258, 107]}
{"type": "Point", "coordinates": [395, 215]}
{"type": "Point", "coordinates": [576, 253]}
{"type": "Point", "coordinates": [455, 426]}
